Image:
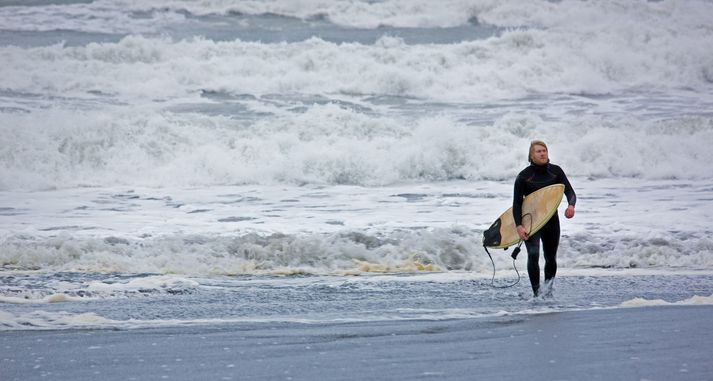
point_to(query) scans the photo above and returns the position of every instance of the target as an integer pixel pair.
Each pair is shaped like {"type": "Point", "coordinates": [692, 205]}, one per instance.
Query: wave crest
{"type": "Point", "coordinates": [346, 252]}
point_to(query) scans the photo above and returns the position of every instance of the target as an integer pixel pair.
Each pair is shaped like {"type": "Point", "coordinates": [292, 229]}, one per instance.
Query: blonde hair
{"type": "Point", "coordinates": [532, 148]}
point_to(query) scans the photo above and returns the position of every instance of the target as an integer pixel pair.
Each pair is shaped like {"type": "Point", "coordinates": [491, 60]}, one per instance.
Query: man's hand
{"type": "Point", "coordinates": [569, 213]}
{"type": "Point", "coordinates": [522, 232]}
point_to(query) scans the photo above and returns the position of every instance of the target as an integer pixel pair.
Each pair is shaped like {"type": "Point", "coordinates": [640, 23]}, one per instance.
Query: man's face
{"type": "Point", "coordinates": [539, 155]}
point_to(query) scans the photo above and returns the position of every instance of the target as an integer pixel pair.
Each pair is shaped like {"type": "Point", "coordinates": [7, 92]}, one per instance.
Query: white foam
{"type": "Point", "coordinates": [53, 298]}
{"type": "Point", "coordinates": [144, 284]}
{"type": "Point", "coordinates": [339, 253]}
{"type": "Point", "coordinates": [43, 320]}
{"type": "Point", "coordinates": [447, 13]}
{"type": "Point", "coordinates": [400, 13]}
{"type": "Point", "coordinates": [694, 300]}
{"type": "Point", "coordinates": [140, 67]}
{"type": "Point", "coordinates": [593, 48]}
{"type": "Point", "coordinates": [641, 302]}
{"type": "Point", "coordinates": [61, 292]}
{"type": "Point", "coordinates": [95, 17]}
{"type": "Point", "coordinates": [329, 145]}
{"type": "Point", "coordinates": [433, 227]}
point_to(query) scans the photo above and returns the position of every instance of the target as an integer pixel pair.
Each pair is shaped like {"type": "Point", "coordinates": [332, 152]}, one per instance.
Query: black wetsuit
{"type": "Point", "coordinates": [529, 180]}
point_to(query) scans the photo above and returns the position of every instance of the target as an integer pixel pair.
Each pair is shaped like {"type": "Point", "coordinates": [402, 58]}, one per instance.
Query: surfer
{"type": "Point", "coordinates": [540, 174]}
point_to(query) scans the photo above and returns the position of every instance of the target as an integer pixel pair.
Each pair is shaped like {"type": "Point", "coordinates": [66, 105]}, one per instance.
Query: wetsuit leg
{"type": "Point", "coordinates": [550, 234]}
{"type": "Point", "coordinates": [533, 259]}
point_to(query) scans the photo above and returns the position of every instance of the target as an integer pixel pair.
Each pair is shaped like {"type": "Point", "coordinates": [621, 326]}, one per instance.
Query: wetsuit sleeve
{"type": "Point", "coordinates": [518, 196]}
{"type": "Point", "coordinates": [568, 190]}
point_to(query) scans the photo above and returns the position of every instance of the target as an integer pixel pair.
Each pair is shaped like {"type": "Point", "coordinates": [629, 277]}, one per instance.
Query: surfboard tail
{"type": "Point", "coordinates": [492, 236]}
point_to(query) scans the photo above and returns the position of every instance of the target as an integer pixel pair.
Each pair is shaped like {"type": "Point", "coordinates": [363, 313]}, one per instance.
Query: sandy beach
{"type": "Point", "coordinates": [650, 343]}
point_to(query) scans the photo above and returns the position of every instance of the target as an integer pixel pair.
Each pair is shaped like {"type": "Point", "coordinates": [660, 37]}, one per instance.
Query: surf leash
{"type": "Point", "coordinates": [513, 255]}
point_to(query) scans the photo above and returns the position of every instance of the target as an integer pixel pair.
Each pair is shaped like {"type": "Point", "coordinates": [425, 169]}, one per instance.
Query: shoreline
{"type": "Point", "coordinates": [653, 343]}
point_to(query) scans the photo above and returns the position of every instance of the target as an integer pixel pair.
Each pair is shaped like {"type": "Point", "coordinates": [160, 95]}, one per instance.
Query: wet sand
{"type": "Point", "coordinates": [650, 343]}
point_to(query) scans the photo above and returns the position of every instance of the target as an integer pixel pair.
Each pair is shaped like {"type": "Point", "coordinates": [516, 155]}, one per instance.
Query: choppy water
{"type": "Point", "coordinates": [140, 301]}
{"type": "Point", "coordinates": [174, 163]}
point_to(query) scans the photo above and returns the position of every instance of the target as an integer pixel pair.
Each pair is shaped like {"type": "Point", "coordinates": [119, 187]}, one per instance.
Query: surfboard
{"type": "Point", "coordinates": [537, 208]}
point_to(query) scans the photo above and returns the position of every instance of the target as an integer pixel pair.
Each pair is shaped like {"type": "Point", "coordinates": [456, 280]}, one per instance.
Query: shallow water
{"type": "Point", "coordinates": [144, 301]}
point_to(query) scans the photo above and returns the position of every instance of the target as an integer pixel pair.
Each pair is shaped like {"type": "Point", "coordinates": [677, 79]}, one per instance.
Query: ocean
{"type": "Point", "coordinates": [204, 164]}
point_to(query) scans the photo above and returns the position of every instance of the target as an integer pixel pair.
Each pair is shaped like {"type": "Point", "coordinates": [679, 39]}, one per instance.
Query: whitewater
{"type": "Point", "coordinates": [176, 163]}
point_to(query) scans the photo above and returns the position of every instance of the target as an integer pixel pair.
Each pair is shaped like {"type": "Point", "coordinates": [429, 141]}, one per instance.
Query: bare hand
{"type": "Point", "coordinates": [569, 213]}
{"type": "Point", "coordinates": [522, 232]}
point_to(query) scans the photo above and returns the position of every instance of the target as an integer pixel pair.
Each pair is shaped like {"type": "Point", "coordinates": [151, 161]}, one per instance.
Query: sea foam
{"type": "Point", "coordinates": [331, 144]}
